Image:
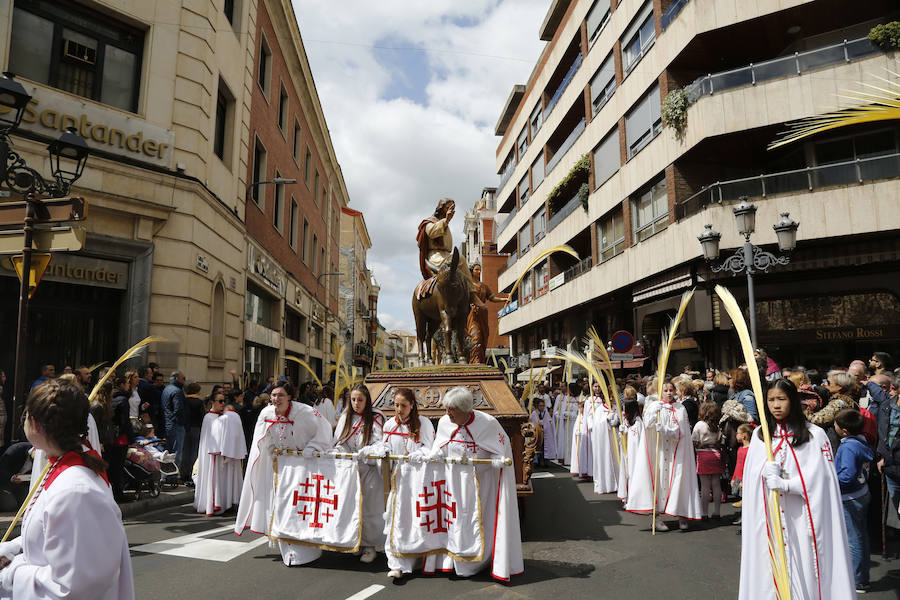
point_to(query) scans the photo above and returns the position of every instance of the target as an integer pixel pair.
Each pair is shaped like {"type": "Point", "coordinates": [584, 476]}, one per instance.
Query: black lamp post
{"type": "Point", "coordinates": [749, 258]}
{"type": "Point", "coordinates": [68, 156]}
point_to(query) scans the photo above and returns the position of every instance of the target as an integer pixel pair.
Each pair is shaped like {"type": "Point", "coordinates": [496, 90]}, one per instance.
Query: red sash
{"type": "Point", "coordinates": [71, 459]}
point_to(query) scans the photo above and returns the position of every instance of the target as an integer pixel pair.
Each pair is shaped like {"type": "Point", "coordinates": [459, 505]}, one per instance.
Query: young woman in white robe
{"type": "Point", "coordinates": [404, 433]}
{"type": "Point", "coordinates": [464, 431]}
{"type": "Point", "coordinates": [813, 526]}
{"type": "Point", "coordinates": [630, 433]}
{"type": "Point", "coordinates": [207, 480]}
{"type": "Point", "coordinates": [359, 430]}
{"type": "Point", "coordinates": [666, 473]}
{"type": "Point", "coordinates": [282, 425]}
{"type": "Point", "coordinates": [541, 416]}
{"type": "Point", "coordinates": [72, 542]}
{"type": "Point", "coordinates": [604, 443]}
{"type": "Point", "coordinates": [582, 455]}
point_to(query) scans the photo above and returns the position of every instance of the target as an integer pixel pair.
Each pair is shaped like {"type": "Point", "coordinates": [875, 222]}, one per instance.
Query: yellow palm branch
{"type": "Point", "coordinates": [96, 366]}
{"type": "Point", "coordinates": [777, 558]}
{"type": "Point", "coordinates": [541, 256]}
{"type": "Point", "coordinates": [606, 368]}
{"type": "Point", "coordinates": [130, 353]}
{"type": "Point", "coordinates": [882, 105]}
{"type": "Point", "coordinates": [306, 366]}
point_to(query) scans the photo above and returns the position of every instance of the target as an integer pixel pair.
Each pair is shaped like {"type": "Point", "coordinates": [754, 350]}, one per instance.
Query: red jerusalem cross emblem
{"type": "Point", "coordinates": [318, 511]}
{"type": "Point", "coordinates": [444, 511]}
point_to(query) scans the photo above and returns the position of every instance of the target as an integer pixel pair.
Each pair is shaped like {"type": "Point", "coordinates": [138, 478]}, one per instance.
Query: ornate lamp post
{"type": "Point", "coordinates": [68, 156]}
{"type": "Point", "coordinates": [750, 258]}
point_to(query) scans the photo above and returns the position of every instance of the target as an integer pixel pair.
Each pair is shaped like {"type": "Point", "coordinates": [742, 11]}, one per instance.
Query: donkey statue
{"type": "Point", "coordinates": [446, 308]}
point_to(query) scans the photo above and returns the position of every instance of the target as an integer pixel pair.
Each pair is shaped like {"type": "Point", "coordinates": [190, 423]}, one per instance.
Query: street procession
{"type": "Point", "coordinates": [502, 298]}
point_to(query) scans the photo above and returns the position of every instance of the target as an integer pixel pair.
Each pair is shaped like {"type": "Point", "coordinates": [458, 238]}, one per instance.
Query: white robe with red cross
{"type": "Point", "coordinates": [483, 437]}
{"type": "Point", "coordinates": [301, 428]}
{"type": "Point", "coordinates": [666, 471]}
{"type": "Point", "coordinates": [813, 526]}
{"type": "Point", "coordinates": [371, 481]}
{"type": "Point", "coordinates": [631, 435]}
{"type": "Point", "coordinates": [208, 480]}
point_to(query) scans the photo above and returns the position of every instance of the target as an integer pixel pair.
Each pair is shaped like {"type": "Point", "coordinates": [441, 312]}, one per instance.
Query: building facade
{"type": "Point", "coordinates": [358, 291]}
{"type": "Point", "coordinates": [585, 160]}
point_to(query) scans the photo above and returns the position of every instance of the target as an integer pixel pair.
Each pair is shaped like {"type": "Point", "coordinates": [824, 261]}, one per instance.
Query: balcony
{"type": "Point", "coordinates": [567, 209]}
{"type": "Point", "coordinates": [566, 80]}
{"type": "Point", "coordinates": [795, 64]}
{"type": "Point", "coordinates": [669, 15]}
{"type": "Point", "coordinates": [578, 269]}
{"type": "Point", "coordinates": [505, 175]}
{"type": "Point", "coordinates": [564, 147]}
{"type": "Point", "coordinates": [500, 224]}
{"type": "Point", "coordinates": [811, 178]}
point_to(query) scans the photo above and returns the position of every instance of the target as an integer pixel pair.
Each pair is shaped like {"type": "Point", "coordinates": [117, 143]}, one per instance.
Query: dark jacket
{"type": "Point", "coordinates": [121, 422]}
{"type": "Point", "coordinates": [152, 395]}
{"type": "Point", "coordinates": [891, 454]}
{"type": "Point", "coordinates": [719, 394]}
{"type": "Point", "coordinates": [174, 406]}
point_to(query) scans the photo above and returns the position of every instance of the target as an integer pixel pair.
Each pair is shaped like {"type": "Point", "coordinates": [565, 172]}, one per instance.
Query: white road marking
{"type": "Point", "coordinates": [542, 475]}
{"type": "Point", "coordinates": [197, 545]}
{"type": "Point", "coordinates": [369, 591]}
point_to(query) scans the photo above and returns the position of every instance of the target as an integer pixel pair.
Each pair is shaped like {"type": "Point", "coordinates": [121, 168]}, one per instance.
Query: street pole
{"type": "Point", "coordinates": [22, 327]}
{"type": "Point", "coordinates": [751, 295]}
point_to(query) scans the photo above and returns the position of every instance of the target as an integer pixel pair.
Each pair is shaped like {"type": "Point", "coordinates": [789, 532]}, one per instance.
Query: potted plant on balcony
{"type": "Point", "coordinates": [886, 36]}
{"type": "Point", "coordinates": [674, 112]}
{"type": "Point", "coordinates": [576, 180]}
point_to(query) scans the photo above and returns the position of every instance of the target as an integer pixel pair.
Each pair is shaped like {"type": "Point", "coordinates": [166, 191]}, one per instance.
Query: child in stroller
{"type": "Point", "coordinates": [148, 465]}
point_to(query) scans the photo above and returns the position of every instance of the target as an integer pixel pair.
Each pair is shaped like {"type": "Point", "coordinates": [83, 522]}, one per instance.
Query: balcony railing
{"type": "Point", "coordinates": [809, 179]}
{"type": "Point", "coordinates": [505, 175]}
{"type": "Point", "coordinates": [562, 85]}
{"type": "Point", "coordinates": [564, 212]}
{"type": "Point", "coordinates": [794, 64]}
{"type": "Point", "coordinates": [564, 147]}
{"type": "Point", "coordinates": [502, 223]}
{"type": "Point", "coordinates": [671, 13]}
{"type": "Point", "coordinates": [578, 269]}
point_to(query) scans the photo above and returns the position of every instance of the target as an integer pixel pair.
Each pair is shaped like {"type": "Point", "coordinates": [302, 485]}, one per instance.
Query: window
{"type": "Point", "coordinates": [293, 326]}
{"type": "Point", "coordinates": [282, 109]}
{"type": "Point", "coordinates": [606, 158]}
{"type": "Point", "coordinates": [295, 150]}
{"type": "Point", "coordinates": [295, 212]}
{"type": "Point", "coordinates": [643, 122]}
{"type": "Point", "coordinates": [603, 84]}
{"type": "Point", "coordinates": [315, 255]}
{"type": "Point", "coordinates": [537, 171]}
{"type": "Point", "coordinates": [217, 323]}
{"type": "Point", "coordinates": [861, 148]}
{"type": "Point", "coordinates": [304, 249]}
{"type": "Point", "coordinates": [259, 173]}
{"type": "Point", "coordinates": [222, 133]}
{"type": "Point", "coordinates": [278, 210]}
{"type": "Point", "coordinates": [523, 191]}
{"type": "Point", "coordinates": [77, 50]}
{"type": "Point", "coordinates": [316, 189]}
{"type": "Point", "coordinates": [321, 259]}
{"type": "Point", "coordinates": [259, 307]}
{"type": "Point", "coordinates": [527, 288]}
{"type": "Point", "coordinates": [611, 235]}
{"type": "Point", "coordinates": [522, 142]}
{"type": "Point", "coordinates": [264, 71]}
{"type": "Point", "coordinates": [323, 200]}
{"type": "Point", "coordinates": [597, 18]}
{"type": "Point", "coordinates": [651, 211]}
{"type": "Point", "coordinates": [542, 279]}
{"type": "Point", "coordinates": [524, 239]}
{"type": "Point", "coordinates": [307, 166]}
{"type": "Point", "coordinates": [638, 38]}
{"type": "Point", "coordinates": [539, 225]}
{"type": "Point", "coordinates": [536, 120]}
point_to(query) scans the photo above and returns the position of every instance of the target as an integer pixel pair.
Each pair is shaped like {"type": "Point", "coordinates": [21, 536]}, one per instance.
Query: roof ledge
{"type": "Point", "coordinates": [553, 18]}
{"type": "Point", "coordinates": [509, 109]}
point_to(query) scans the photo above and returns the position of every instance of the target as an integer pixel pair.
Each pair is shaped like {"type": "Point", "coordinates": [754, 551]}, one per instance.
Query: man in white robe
{"type": "Point", "coordinates": [464, 431]}
{"type": "Point", "coordinates": [605, 451]}
{"type": "Point", "coordinates": [207, 479]}
{"type": "Point", "coordinates": [541, 416]}
{"type": "Point", "coordinates": [232, 450]}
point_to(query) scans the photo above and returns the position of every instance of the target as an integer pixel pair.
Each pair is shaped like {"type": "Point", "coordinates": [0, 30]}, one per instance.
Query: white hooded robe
{"type": "Point", "coordinates": [370, 478]}
{"type": "Point", "coordinates": [605, 453]}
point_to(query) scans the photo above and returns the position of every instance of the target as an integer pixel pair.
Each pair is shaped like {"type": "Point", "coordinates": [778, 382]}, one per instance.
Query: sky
{"type": "Point", "coordinates": [411, 91]}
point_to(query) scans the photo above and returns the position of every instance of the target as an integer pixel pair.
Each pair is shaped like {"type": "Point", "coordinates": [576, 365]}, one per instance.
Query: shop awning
{"type": "Point", "coordinates": [637, 363]}
{"type": "Point", "coordinates": [536, 373]}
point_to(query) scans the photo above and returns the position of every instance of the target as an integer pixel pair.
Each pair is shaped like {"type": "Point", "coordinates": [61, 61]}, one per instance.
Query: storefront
{"type": "Point", "coordinates": [263, 316]}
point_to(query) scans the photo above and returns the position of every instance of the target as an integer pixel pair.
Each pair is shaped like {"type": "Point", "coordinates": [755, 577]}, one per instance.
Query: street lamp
{"type": "Point", "coordinates": [68, 156]}
{"type": "Point", "coordinates": [273, 181]}
{"type": "Point", "coordinates": [750, 258]}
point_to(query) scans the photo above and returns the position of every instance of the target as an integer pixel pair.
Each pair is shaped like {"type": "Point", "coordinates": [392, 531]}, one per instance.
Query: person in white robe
{"type": "Point", "coordinates": [581, 442]}
{"type": "Point", "coordinates": [466, 432]}
{"type": "Point", "coordinates": [541, 416]}
{"type": "Point", "coordinates": [604, 445]}
{"type": "Point", "coordinates": [282, 425]}
{"type": "Point", "coordinates": [401, 437]}
{"type": "Point", "coordinates": [359, 430]}
{"type": "Point", "coordinates": [232, 450]}
{"type": "Point", "coordinates": [567, 413]}
{"type": "Point", "coordinates": [325, 406]}
{"type": "Point", "coordinates": [207, 479]}
{"type": "Point", "coordinates": [665, 476]}
{"type": "Point", "coordinates": [39, 458]}
{"type": "Point", "coordinates": [803, 474]}
{"type": "Point", "coordinates": [630, 432]}
{"type": "Point", "coordinates": [72, 542]}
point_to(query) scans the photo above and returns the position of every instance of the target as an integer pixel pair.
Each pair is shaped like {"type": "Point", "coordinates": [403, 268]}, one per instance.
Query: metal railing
{"type": "Point", "coordinates": [501, 224]}
{"type": "Point", "coordinates": [505, 175]}
{"type": "Point", "coordinates": [671, 13]}
{"type": "Point", "coordinates": [564, 147]}
{"type": "Point", "coordinates": [808, 179]}
{"type": "Point", "coordinates": [567, 209]}
{"type": "Point", "coordinates": [578, 269]}
{"type": "Point", "coordinates": [562, 85]}
{"type": "Point", "coordinates": [795, 64]}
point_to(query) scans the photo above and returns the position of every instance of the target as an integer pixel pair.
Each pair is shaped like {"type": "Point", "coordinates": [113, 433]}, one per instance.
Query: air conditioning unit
{"type": "Point", "coordinates": [545, 343]}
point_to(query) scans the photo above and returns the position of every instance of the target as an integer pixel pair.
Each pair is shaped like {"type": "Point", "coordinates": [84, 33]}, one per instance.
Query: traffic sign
{"type": "Point", "coordinates": [622, 342]}
{"type": "Point", "coordinates": [53, 210]}
{"type": "Point", "coordinates": [54, 239]}
{"type": "Point", "coordinates": [39, 262]}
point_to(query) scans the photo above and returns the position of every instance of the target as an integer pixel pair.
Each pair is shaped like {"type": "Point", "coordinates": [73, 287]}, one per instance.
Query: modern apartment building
{"type": "Point", "coordinates": [585, 159]}
{"type": "Point", "coordinates": [295, 192]}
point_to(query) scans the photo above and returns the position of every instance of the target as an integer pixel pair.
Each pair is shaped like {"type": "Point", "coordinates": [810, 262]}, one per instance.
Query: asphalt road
{"type": "Point", "coordinates": [576, 545]}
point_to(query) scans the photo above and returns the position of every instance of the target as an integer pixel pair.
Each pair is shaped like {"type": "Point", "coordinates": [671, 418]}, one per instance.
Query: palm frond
{"type": "Point", "coordinates": [96, 366]}
{"type": "Point", "coordinates": [306, 366]}
{"type": "Point", "coordinates": [541, 256]}
{"type": "Point", "coordinates": [130, 353]}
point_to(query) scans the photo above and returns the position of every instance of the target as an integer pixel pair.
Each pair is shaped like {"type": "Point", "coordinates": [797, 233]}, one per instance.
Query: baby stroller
{"type": "Point", "coordinates": [142, 472]}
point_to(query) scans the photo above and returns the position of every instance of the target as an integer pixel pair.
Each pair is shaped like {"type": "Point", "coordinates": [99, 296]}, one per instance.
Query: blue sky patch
{"type": "Point", "coordinates": [408, 66]}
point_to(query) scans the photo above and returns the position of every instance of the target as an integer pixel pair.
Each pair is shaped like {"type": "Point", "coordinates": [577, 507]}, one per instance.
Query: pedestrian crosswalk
{"type": "Point", "coordinates": [203, 546]}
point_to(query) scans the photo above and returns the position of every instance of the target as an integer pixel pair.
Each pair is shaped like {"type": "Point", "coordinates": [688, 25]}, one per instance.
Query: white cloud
{"type": "Point", "coordinates": [399, 156]}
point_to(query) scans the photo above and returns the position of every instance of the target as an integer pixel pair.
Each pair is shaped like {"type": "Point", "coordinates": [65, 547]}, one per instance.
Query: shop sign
{"type": "Point", "coordinates": [535, 354]}
{"type": "Point", "coordinates": [265, 269]}
{"type": "Point", "coordinates": [557, 281]}
{"type": "Point", "coordinates": [51, 112]}
{"type": "Point", "coordinates": [850, 333]}
{"type": "Point", "coordinates": [508, 308]}
{"type": "Point", "coordinates": [79, 270]}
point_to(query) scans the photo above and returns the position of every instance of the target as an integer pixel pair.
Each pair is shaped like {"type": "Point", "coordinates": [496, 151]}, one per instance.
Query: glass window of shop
{"type": "Point", "coordinates": [260, 308]}
{"type": "Point", "coordinates": [83, 52]}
